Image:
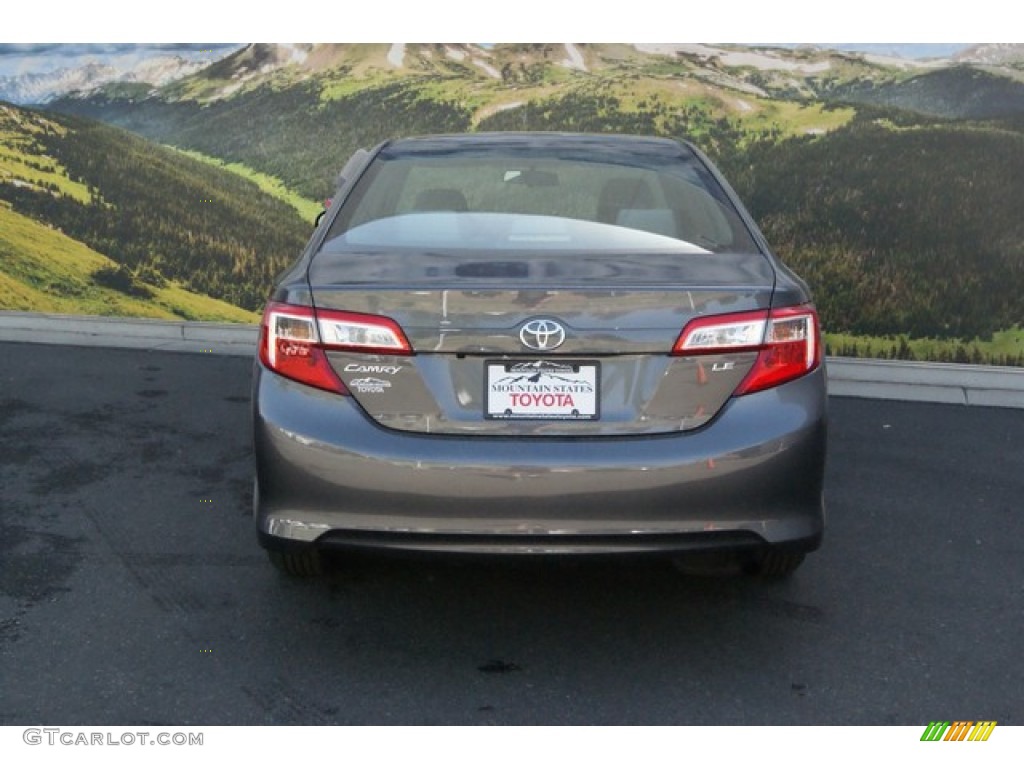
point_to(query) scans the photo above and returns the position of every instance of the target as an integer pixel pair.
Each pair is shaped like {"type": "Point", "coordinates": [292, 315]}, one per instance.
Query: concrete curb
{"type": "Point", "coordinates": [881, 379]}
{"type": "Point", "coordinates": [929, 382]}
{"type": "Point", "coordinates": [134, 333]}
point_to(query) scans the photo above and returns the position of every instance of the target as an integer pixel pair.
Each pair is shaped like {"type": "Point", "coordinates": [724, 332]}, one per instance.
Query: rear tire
{"type": "Point", "coordinates": [299, 563]}
{"type": "Point", "coordinates": [774, 564]}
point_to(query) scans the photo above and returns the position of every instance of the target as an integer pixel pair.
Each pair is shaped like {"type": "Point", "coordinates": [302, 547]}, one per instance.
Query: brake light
{"type": "Point", "coordinates": [787, 341]}
{"type": "Point", "coordinates": [293, 341]}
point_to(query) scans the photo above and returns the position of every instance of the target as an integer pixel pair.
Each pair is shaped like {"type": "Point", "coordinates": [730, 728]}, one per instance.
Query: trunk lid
{"type": "Point", "coordinates": [472, 322]}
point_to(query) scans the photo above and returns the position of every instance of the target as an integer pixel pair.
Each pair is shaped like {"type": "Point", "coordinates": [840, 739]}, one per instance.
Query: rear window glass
{"type": "Point", "coordinates": [538, 199]}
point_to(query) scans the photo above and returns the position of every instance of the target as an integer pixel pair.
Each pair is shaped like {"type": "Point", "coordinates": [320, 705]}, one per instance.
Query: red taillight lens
{"type": "Point", "coordinates": [289, 346]}
{"type": "Point", "coordinates": [792, 348]}
{"type": "Point", "coordinates": [293, 340]}
{"type": "Point", "coordinates": [787, 340]}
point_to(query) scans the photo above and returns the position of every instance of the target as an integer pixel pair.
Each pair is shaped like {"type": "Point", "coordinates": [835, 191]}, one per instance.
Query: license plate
{"type": "Point", "coordinates": [542, 389]}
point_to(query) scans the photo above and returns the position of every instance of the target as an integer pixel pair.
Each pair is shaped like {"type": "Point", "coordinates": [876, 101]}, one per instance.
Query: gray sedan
{"type": "Point", "coordinates": [538, 344]}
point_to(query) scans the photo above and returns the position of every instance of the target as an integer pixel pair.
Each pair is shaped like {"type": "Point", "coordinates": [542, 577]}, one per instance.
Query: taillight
{"type": "Point", "coordinates": [293, 341]}
{"type": "Point", "coordinates": [371, 334]}
{"type": "Point", "coordinates": [787, 341]}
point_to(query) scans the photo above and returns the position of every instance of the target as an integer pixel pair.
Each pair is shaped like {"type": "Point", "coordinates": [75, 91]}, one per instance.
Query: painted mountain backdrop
{"type": "Point", "coordinates": [892, 184]}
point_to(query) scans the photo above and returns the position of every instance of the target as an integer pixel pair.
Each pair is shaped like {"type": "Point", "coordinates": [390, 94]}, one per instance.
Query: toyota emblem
{"type": "Point", "coordinates": [542, 335]}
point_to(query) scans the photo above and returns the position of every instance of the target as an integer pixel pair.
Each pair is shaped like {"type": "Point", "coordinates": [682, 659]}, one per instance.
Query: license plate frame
{"type": "Point", "coordinates": [542, 389]}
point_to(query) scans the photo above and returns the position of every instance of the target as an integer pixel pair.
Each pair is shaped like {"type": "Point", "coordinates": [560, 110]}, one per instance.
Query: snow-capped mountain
{"type": "Point", "coordinates": [222, 71]}
{"type": "Point", "coordinates": [40, 87]}
{"type": "Point", "coordinates": [43, 87]}
{"type": "Point", "coordinates": [993, 53]}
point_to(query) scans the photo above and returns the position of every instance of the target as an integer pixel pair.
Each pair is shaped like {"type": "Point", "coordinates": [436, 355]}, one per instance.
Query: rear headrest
{"type": "Point", "coordinates": [440, 199]}
{"type": "Point", "coordinates": [622, 193]}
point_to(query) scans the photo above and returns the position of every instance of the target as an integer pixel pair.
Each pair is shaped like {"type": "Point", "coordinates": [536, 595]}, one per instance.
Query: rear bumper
{"type": "Point", "coordinates": [327, 474]}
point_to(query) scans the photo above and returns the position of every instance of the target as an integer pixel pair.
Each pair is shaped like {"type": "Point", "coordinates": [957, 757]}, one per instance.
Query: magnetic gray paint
{"type": "Point", "coordinates": [674, 462]}
{"type": "Point", "coordinates": [326, 471]}
{"type": "Point", "coordinates": [456, 324]}
{"type": "Point", "coordinates": [640, 394]}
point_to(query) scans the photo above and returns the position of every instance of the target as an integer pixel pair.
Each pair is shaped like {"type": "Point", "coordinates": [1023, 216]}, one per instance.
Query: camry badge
{"type": "Point", "coordinates": [542, 335]}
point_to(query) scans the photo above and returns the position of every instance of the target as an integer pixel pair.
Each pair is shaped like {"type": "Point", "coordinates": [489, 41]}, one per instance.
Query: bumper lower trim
{"type": "Point", "coordinates": [567, 544]}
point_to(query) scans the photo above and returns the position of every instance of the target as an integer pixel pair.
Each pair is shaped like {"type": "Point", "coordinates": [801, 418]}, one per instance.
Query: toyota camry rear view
{"type": "Point", "coordinates": [537, 344]}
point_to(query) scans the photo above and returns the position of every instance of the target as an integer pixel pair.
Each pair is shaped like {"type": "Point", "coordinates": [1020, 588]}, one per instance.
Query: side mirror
{"type": "Point", "coordinates": [320, 216]}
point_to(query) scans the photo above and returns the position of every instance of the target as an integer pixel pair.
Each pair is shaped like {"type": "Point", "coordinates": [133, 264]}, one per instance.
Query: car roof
{"type": "Point", "coordinates": [591, 142]}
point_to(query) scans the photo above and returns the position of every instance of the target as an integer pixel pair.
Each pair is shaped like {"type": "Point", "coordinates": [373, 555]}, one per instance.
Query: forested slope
{"type": "Point", "coordinates": [155, 212]}
{"type": "Point", "coordinates": [894, 191]}
{"type": "Point", "coordinates": [288, 133]}
{"type": "Point", "coordinates": [914, 230]}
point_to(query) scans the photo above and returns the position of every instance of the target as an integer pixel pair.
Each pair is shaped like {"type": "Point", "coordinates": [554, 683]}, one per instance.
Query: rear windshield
{"type": "Point", "coordinates": [538, 199]}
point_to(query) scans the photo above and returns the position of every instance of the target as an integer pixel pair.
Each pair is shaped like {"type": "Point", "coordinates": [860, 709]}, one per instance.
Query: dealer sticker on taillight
{"type": "Point", "coordinates": [542, 389]}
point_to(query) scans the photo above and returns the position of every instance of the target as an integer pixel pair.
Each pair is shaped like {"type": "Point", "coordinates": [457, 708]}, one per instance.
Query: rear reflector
{"type": "Point", "coordinates": [293, 341]}
{"type": "Point", "coordinates": [787, 340]}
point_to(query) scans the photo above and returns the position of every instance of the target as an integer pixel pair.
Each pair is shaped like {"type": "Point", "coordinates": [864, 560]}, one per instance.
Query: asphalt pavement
{"type": "Point", "coordinates": [133, 592]}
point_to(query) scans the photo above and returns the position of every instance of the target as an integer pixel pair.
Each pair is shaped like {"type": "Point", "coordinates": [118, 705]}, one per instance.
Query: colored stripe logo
{"type": "Point", "coordinates": [960, 730]}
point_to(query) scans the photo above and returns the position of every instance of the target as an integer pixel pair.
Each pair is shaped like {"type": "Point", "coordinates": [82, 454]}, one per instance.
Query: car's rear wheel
{"type": "Point", "coordinates": [773, 564]}
{"type": "Point", "coordinates": [298, 563]}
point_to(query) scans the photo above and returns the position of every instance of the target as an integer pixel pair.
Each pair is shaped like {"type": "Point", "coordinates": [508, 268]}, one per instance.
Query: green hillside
{"type": "Point", "coordinates": [160, 215]}
{"type": "Point", "coordinates": [42, 270]}
{"type": "Point", "coordinates": [289, 134]}
{"type": "Point", "coordinates": [961, 93]}
{"type": "Point", "coordinates": [913, 230]}
{"type": "Point", "coordinates": [307, 209]}
{"type": "Point", "coordinates": [904, 224]}
{"type": "Point", "coordinates": [300, 122]}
